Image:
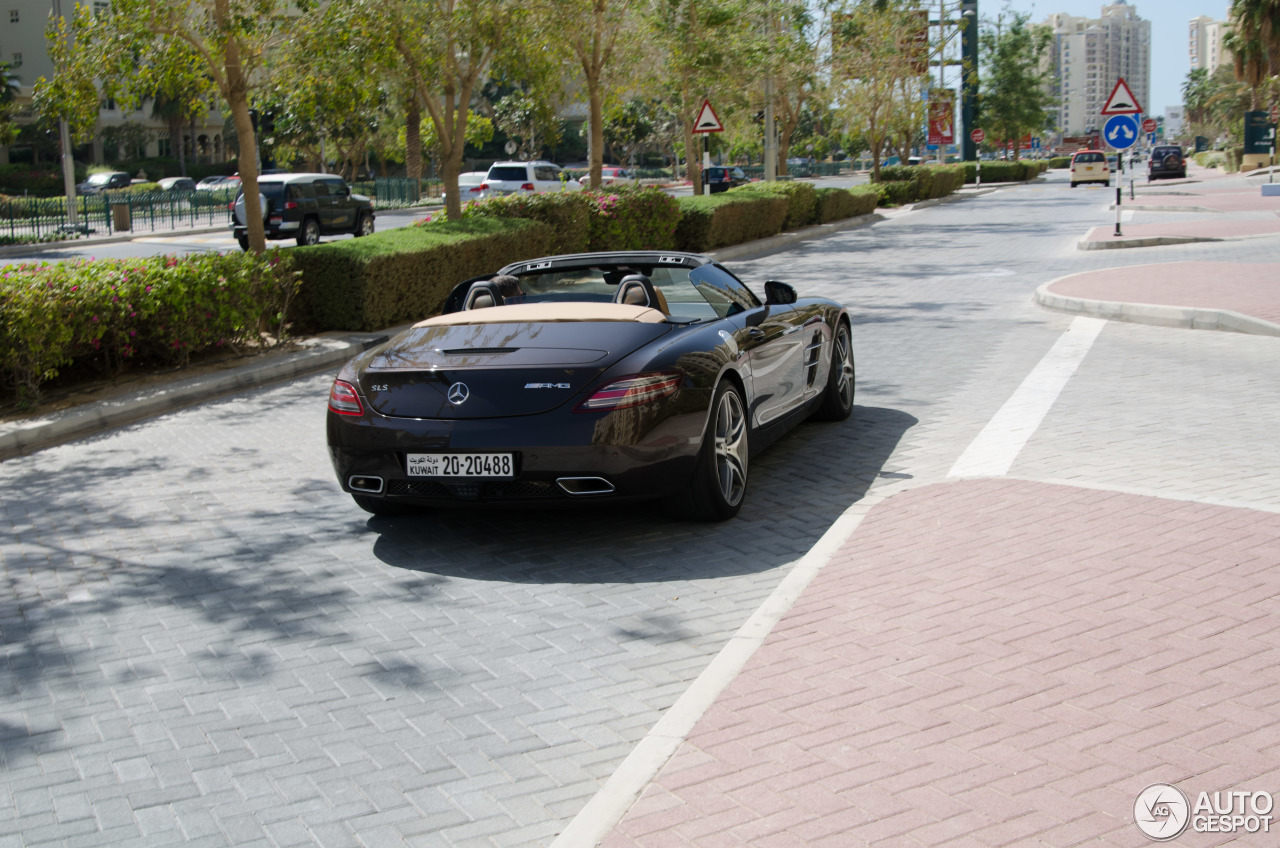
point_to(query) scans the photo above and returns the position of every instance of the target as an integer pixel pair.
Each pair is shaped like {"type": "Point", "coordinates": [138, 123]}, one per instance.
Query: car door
{"type": "Point", "coordinates": [770, 336]}
{"type": "Point", "coordinates": [341, 215]}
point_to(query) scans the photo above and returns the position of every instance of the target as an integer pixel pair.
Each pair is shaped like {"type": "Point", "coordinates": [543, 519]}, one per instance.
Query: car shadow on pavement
{"type": "Point", "coordinates": [799, 486]}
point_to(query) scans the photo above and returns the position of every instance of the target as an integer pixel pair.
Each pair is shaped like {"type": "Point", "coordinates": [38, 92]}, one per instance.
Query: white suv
{"type": "Point", "coordinates": [526, 178]}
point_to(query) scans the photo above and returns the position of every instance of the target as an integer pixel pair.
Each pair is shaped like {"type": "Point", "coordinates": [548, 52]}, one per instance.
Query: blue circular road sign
{"type": "Point", "coordinates": [1120, 131]}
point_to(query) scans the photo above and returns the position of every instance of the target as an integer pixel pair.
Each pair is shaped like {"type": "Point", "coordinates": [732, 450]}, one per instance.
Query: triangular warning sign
{"type": "Point", "coordinates": [1122, 101]}
{"type": "Point", "coordinates": [708, 121]}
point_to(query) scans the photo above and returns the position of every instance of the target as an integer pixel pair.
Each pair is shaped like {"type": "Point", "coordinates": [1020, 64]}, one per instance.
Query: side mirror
{"type": "Point", "coordinates": [778, 293]}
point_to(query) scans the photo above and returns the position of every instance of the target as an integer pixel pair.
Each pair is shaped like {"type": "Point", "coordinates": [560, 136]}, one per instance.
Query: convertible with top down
{"type": "Point", "coordinates": [590, 377]}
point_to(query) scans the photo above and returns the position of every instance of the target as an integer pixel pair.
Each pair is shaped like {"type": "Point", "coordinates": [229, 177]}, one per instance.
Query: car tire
{"type": "Point", "coordinates": [310, 232]}
{"type": "Point", "coordinates": [382, 506]}
{"type": "Point", "coordinates": [244, 242]}
{"type": "Point", "coordinates": [364, 226]}
{"type": "Point", "coordinates": [719, 483]}
{"type": "Point", "coordinates": [1074, 183]}
{"type": "Point", "coordinates": [837, 398]}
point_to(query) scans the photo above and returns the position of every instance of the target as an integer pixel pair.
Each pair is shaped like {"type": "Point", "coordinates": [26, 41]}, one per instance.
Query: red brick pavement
{"type": "Point", "coordinates": [989, 663]}
{"type": "Point", "coordinates": [1248, 288]}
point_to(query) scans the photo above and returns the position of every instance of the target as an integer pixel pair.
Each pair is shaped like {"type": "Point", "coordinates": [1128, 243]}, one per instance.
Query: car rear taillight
{"type": "Point", "coordinates": [344, 399]}
{"type": "Point", "coordinates": [477, 189]}
{"type": "Point", "coordinates": [291, 204]}
{"type": "Point", "coordinates": [527, 187]}
{"type": "Point", "coordinates": [633, 391]}
{"type": "Point", "coordinates": [483, 187]}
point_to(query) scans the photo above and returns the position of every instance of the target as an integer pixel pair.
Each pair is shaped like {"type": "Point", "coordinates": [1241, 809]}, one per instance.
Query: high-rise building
{"type": "Point", "coordinates": [1089, 55]}
{"type": "Point", "coordinates": [1205, 45]}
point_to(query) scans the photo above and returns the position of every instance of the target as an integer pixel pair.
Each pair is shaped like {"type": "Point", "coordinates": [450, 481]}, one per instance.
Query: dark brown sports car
{"type": "Point", "coordinates": [592, 377]}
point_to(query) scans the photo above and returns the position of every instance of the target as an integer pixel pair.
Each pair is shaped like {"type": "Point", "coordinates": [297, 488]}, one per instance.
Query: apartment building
{"type": "Point", "coordinates": [23, 47]}
{"type": "Point", "coordinates": [1088, 55]}
{"type": "Point", "coordinates": [1205, 46]}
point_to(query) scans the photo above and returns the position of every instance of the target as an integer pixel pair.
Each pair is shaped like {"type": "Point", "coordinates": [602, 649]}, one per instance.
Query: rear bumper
{"type": "Point", "coordinates": [556, 463]}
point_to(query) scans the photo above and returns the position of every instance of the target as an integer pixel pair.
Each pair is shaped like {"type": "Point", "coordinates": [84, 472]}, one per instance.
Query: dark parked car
{"type": "Point", "coordinates": [1166, 161]}
{"type": "Point", "coordinates": [720, 178]}
{"type": "Point", "coordinates": [604, 377]}
{"type": "Point", "coordinates": [105, 181]}
{"type": "Point", "coordinates": [177, 184]}
{"type": "Point", "coordinates": [305, 207]}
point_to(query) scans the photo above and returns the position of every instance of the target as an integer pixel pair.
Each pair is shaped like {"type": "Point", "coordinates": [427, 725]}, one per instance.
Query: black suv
{"type": "Point", "coordinates": [720, 178]}
{"type": "Point", "coordinates": [1166, 161]}
{"type": "Point", "coordinates": [104, 181]}
{"type": "Point", "coordinates": [305, 207]}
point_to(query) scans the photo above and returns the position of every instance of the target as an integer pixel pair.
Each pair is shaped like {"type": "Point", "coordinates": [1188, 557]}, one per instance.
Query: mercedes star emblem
{"type": "Point", "coordinates": [458, 394]}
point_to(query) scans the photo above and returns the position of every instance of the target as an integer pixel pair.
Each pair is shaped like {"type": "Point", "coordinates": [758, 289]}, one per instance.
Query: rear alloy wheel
{"type": "Point", "coordinates": [364, 227]}
{"type": "Point", "coordinates": [310, 232]}
{"type": "Point", "coordinates": [244, 242]}
{"type": "Point", "coordinates": [719, 482]}
{"type": "Point", "coordinates": [382, 506]}
{"type": "Point", "coordinates": [837, 398]}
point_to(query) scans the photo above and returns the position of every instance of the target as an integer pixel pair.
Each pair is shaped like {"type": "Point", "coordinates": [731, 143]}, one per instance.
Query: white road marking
{"type": "Point", "coordinates": [993, 452]}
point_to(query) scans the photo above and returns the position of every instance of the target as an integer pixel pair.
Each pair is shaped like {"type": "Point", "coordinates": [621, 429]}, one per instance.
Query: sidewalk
{"type": "Point", "coordinates": [1017, 674]}
{"type": "Point", "coordinates": [1209, 207]}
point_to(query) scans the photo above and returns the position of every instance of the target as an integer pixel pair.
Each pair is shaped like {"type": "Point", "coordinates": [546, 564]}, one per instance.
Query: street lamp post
{"type": "Point", "coordinates": [969, 78]}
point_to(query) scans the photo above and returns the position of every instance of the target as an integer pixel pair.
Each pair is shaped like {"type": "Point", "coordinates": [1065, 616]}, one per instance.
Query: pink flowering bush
{"type": "Point", "coordinates": [104, 313]}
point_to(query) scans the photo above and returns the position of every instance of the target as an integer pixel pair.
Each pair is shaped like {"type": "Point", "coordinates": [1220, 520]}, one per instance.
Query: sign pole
{"type": "Point", "coordinates": [1119, 196]}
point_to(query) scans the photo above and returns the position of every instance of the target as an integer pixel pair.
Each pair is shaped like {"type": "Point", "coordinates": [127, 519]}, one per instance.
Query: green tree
{"type": "Point", "coordinates": [229, 40]}
{"type": "Point", "coordinates": [697, 43]}
{"type": "Point", "coordinates": [1254, 41]}
{"type": "Point", "coordinates": [530, 122]}
{"type": "Point", "coordinates": [878, 70]}
{"type": "Point", "coordinates": [590, 31]}
{"type": "Point", "coordinates": [9, 86]}
{"type": "Point", "coordinates": [442, 50]}
{"type": "Point", "coordinates": [1015, 94]}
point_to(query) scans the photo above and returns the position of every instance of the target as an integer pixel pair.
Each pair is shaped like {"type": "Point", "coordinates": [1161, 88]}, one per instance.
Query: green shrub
{"type": "Point", "coordinates": [802, 201]}
{"type": "Point", "coordinates": [104, 313]}
{"type": "Point", "coordinates": [717, 220]}
{"type": "Point", "coordinates": [1060, 162]}
{"type": "Point", "coordinates": [633, 218]}
{"type": "Point", "coordinates": [837, 204]}
{"type": "Point", "coordinates": [898, 192]}
{"type": "Point", "coordinates": [405, 274]}
{"type": "Point", "coordinates": [568, 213]}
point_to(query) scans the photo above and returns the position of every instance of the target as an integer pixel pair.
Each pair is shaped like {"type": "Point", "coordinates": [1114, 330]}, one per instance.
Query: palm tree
{"type": "Point", "coordinates": [1254, 39]}
{"type": "Point", "coordinates": [9, 89]}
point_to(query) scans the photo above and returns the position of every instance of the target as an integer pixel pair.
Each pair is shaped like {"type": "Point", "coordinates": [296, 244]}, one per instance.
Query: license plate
{"type": "Point", "coordinates": [460, 465]}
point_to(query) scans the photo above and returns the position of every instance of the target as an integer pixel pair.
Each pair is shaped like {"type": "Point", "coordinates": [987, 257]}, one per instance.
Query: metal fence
{"type": "Point", "coordinates": [398, 192]}
{"type": "Point", "coordinates": [45, 218]}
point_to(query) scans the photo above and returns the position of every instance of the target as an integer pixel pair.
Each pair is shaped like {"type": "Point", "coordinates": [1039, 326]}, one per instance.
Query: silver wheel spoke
{"type": "Point", "coordinates": [730, 446]}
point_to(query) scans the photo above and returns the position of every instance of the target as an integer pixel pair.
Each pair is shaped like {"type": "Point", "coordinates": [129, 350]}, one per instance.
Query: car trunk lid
{"type": "Point", "coordinates": [495, 370]}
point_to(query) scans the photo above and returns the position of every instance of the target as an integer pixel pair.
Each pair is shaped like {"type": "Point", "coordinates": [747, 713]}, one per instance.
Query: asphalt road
{"type": "Point", "coordinates": [205, 642]}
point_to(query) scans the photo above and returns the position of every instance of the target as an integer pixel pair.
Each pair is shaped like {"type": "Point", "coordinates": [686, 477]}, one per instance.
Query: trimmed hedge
{"type": "Point", "coordinates": [626, 218]}
{"type": "Point", "coordinates": [717, 220]}
{"type": "Point", "coordinates": [401, 275]}
{"type": "Point", "coordinates": [837, 204]}
{"type": "Point", "coordinates": [1006, 172]}
{"type": "Point", "coordinates": [1060, 162]}
{"type": "Point", "coordinates": [102, 314]}
{"type": "Point", "coordinates": [802, 200]}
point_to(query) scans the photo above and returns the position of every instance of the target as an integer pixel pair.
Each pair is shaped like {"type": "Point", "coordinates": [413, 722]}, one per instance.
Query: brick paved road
{"type": "Point", "coordinates": [205, 643]}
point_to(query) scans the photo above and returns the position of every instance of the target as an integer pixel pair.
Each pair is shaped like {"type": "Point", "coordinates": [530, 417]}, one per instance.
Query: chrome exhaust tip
{"type": "Point", "coordinates": [585, 485]}
{"type": "Point", "coordinates": [365, 483]}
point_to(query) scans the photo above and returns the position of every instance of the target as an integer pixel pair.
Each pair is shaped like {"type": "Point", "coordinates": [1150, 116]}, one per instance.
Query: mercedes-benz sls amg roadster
{"type": "Point", "coordinates": [590, 377]}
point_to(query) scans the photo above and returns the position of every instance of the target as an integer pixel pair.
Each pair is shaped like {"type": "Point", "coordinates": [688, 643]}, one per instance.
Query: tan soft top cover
{"type": "Point", "coordinates": [522, 313]}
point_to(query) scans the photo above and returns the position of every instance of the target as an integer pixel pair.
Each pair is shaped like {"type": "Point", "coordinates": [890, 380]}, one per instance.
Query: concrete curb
{"type": "Point", "coordinates": [1134, 206]}
{"type": "Point", "coordinates": [1151, 241]}
{"type": "Point", "coordinates": [25, 249]}
{"type": "Point", "coordinates": [1158, 315]}
{"type": "Point", "coordinates": [20, 437]}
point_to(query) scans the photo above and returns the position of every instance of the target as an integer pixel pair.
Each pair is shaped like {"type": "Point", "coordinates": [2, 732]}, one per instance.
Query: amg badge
{"type": "Point", "coordinates": [547, 386]}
